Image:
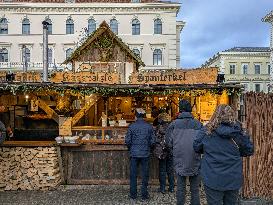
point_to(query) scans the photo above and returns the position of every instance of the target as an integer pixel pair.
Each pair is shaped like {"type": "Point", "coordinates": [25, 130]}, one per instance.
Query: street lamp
{"type": "Point", "coordinates": [45, 51]}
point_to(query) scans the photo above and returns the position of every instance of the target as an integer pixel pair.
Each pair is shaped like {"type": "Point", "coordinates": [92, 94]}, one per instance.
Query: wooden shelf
{"type": "Point", "coordinates": [97, 128]}
{"type": "Point", "coordinates": [29, 144]}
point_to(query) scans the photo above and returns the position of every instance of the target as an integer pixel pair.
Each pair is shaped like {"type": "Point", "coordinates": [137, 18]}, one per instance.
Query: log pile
{"type": "Point", "coordinates": [258, 169]}
{"type": "Point", "coordinates": [29, 168]}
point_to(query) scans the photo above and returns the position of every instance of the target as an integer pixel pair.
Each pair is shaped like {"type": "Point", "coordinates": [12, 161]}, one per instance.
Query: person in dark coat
{"type": "Point", "coordinates": [180, 136]}
{"type": "Point", "coordinates": [163, 154]}
{"type": "Point", "coordinates": [223, 142]}
{"type": "Point", "coordinates": [139, 139]}
{"type": "Point", "coordinates": [2, 132]}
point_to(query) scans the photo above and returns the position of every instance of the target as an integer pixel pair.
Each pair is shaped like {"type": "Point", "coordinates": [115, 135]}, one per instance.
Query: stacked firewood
{"type": "Point", "coordinates": [258, 169]}
{"type": "Point", "coordinates": [29, 168]}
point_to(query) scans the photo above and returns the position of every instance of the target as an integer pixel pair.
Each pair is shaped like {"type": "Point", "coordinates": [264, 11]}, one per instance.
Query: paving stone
{"type": "Point", "coordinates": [97, 195]}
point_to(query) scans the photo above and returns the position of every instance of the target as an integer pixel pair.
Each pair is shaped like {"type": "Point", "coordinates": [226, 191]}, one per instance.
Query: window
{"type": "Point", "coordinates": [157, 26]}
{"type": "Point", "coordinates": [257, 87]}
{"type": "Point", "coordinates": [50, 55]}
{"type": "Point", "coordinates": [69, 52]}
{"type": "Point", "coordinates": [91, 25]}
{"type": "Point", "coordinates": [69, 26]}
{"type": "Point", "coordinates": [157, 57]}
{"type": "Point", "coordinates": [3, 26]}
{"type": "Point", "coordinates": [26, 53]}
{"type": "Point", "coordinates": [245, 69]}
{"type": "Point", "coordinates": [25, 27]}
{"type": "Point", "coordinates": [49, 26]}
{"type": "Point", "coordinates": [136, 51]}
{"type": "Point", "coordinates": [269, 68]}
{"type": "Point", "coordinates": [268, 89]}
{"type": "Point", "coordinates": [135, 27]}
{"type": "Point", "coordinates": [135, 1]}
{"type": "Point", "coordinates": [257, 69]}
{"type": "Point", "coordinates": [245, 87]}
{"type": "Point", "coordinates": [114, 25]}
{"type": "Point", "coordinates": [232, 69]}
{"type": "Point", "coordinates": [4, 55]}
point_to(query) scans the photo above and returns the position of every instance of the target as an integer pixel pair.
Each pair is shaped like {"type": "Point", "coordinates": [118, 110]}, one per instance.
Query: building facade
{"type": "Point", "coordinates": [269, 19]}
{"type": "Point", "coordinates": [148, 27]}
{"type": "Point", "coordinates": [249, 66]}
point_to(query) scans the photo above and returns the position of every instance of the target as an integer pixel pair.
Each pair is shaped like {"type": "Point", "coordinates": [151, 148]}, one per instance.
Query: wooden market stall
{"type": "Point", "coordinates": [88, 110]}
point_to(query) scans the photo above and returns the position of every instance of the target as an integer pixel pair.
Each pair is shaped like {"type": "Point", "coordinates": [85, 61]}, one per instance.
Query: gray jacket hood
{"type": "Point", "coordinates": [228, 130]}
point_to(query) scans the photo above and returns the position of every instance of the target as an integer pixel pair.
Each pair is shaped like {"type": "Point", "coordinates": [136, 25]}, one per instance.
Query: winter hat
{"type": "Point", "coordinates": [184, 106]}
{"type": "Point", "coordinates": [140, 112]}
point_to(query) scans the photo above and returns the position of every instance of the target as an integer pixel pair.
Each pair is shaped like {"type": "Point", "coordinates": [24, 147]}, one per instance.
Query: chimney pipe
{"type": "Point", "coordinates": [45, 51]}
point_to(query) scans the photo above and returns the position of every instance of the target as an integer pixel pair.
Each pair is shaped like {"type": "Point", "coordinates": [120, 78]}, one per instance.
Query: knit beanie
{"type": "Point", "coordinates": [184, 106]}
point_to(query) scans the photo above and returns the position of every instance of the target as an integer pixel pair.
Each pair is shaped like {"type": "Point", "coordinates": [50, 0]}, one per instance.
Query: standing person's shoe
{"type": "Point", "coordinates": [171, 190]}
{"type": "Point", "coordinates": [162, 191]}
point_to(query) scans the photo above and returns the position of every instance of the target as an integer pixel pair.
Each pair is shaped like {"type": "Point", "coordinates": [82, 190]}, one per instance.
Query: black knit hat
{"type": "Point", "coordinates": [184, 106]}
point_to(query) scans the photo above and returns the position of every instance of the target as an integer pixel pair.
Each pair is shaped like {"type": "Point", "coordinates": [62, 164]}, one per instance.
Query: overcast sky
{"type": "Point", "coordinates": [216, 25]}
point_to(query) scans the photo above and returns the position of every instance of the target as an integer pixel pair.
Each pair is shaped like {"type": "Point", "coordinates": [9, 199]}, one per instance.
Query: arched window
{"type": "Point", "coordinates": [4, 55]}
{"type": "Point", "coordinates": [50, 55]}
{"type": "Point", "coordinates": [49, 26]}
{"type": "Point", "coordinates": [157, 57]}
{"type": "Point", "coordinates": [25, 26]}
{"type": "Point", "coordinates": [136, 51]}
{"type": "Point", "coordinates": [114, 25]}
{"type": "Point", "coordinates": [69, 26]}
{"type": "Point", "coordinates": [157, 26]}
{"type": "Point", "coordinates": [3, 26]}
{"type": "Point", "coordinates": [68, 52]}
{"type": "Point", "coordinates": [135, 27]}
{"type": "Point", "coordinates": [91, 25]}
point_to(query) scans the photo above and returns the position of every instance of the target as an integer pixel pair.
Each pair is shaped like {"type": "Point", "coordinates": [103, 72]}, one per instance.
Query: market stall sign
{"type": "Point", "coordinates": [193, 76]}
{"type": "Point", "coordinates": [33, 77]}
{"type": "Point", "coordinates": [85, 77]}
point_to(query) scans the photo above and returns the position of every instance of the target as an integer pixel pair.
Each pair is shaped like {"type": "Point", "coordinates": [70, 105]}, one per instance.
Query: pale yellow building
{"type": "Point", "coordinates": [249, 66]}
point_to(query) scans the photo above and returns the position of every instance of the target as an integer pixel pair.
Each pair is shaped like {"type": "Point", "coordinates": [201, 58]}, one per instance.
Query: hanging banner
{"type": "Point", "coordinates": [183, 76]}
{"type": "Point", "coordinates": [31, 77]}
{"type": "Point", "coordinates": [85, 77]}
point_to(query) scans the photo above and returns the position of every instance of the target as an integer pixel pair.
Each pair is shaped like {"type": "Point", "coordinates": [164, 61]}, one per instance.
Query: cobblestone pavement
{"type": "Point", "coordinates": [99, 195]}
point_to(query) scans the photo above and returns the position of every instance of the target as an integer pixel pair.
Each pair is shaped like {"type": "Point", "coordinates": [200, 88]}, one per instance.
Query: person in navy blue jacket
{"type": "Point", "coordinates": [139, 140]}
{"type": "Point", "coordinates": [223, 142]}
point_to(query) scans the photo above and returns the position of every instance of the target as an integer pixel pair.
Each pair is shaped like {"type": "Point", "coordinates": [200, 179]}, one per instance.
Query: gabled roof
{"type": "Point", "coordinates": [104, 27]}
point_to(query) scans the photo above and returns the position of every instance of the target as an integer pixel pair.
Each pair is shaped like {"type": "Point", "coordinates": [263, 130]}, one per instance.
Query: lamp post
{"type": "Point", "coordinates": [24, 58]}
{"type": "Point", "coordinates": [45, 51]}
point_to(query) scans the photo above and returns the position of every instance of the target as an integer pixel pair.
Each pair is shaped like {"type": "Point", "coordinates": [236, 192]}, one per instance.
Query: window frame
{"type": "Point", "coordinates": [25, 26]}
{"type": "Point", "coordinates": [135, 27]}
{"type": "Point", "coordinates": [69, 26]}
{"type": "Point", "coordinates": [114, 26]}
{"type": "Point", "coordinates": [4, 55]}
{"type": "Point", "coordinates": [91, 23]}
{"type": "Point", "coordinates": [269, 69]}
{"type": "Point", "coordinates": [157, 57]}
{"type": "Point", "coordinates": [157, 26]}
{"type": "Point", "coordinates": [259, 86]}
{"type": "Point", "coordinates": [256, 70]}
{"type": "Point", "coordinates": [3, 24]}
{"type": "Point", "coordinates": [66, 53]}
{"type": "Point", "coordinates": [136, 53]}
{"type": "Point", "coordinates": [245, 69]}
{"type": "Point", "coordinates": [230, 69]}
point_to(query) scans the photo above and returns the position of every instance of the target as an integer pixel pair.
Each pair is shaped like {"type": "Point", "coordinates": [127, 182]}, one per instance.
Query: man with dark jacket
{"type": "Point", "coordinates": [139, 139]}
{"type": "Point", "coordinates": [2, 132]}
{"type": "Point", "coordinates": [180, 136]}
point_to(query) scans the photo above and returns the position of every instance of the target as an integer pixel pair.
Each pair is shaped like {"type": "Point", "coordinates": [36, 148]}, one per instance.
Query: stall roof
{"type": "Point", "coordinates": [115, 89]}
{"type": "Point", "coordinates": [104, 27]}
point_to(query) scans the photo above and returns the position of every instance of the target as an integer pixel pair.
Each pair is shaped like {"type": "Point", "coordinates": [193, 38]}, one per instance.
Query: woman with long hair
{"type": "Point", "coordinates": [223, 142]}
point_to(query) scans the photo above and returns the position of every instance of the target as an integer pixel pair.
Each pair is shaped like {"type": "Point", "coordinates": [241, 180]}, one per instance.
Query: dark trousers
{"type": "Point", "coordinates": [215, 197]}
{"type": "Point", "coordinates": [134, 162]}
{"type": "Point", "coordinates": [166, 168]}
{"type": "Point", "coordinates": [194, 188]}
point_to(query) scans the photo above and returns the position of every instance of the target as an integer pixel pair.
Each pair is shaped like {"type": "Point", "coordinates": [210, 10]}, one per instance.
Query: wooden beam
{"type": "Point", "coordinates": [50, 112]}
{"type": "Point", "coordinates": [93, 99]}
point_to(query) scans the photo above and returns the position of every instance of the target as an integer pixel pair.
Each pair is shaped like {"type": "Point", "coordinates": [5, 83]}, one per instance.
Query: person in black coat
{"type": "Point", "coordinates": [139, 139]}
{"type": "Point", "coordinates": [223, 142]}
